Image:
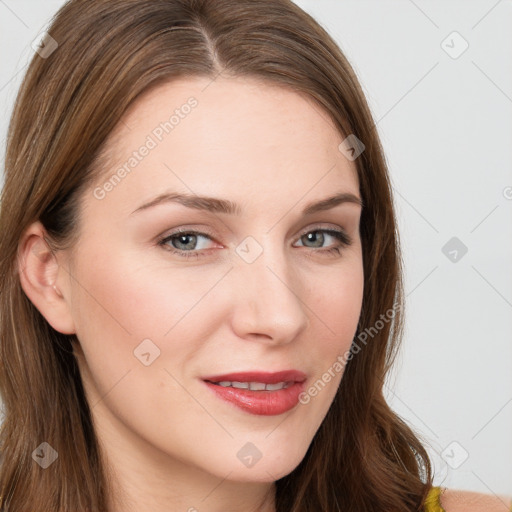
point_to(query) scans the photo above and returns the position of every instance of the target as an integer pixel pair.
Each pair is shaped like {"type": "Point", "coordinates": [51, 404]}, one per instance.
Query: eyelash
{"type": "Point", "coordinates": [341, 236]}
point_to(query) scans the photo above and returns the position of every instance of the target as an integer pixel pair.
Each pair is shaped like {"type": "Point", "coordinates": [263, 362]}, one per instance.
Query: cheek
{"type": "Point", "coordinates": [118, 294]}
{"type": "Point", "coordinates": [127, 315]}
{"type": "Point", "coordinates": [336, 301]}
{"type": "Point", "coordinates": [141, 321]}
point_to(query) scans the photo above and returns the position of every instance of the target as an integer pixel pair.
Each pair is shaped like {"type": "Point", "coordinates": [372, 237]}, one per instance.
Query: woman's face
{"type": "Point", "coordinates": [262, 288]}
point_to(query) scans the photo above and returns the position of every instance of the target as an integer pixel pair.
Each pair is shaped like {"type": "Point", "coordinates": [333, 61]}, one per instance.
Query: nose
{"type": "Point", "coordinates": [268, 300]}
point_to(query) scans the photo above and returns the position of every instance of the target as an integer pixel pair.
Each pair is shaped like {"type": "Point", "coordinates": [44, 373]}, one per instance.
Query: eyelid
{"type": "Point", "coordinates": [196, 231]}
{"type": "Point", "coordinates": [343, 238]}
{"type": "Point", "coordinates": [323, 227]}
{"type": "Point", "coordinates": [210, 233]}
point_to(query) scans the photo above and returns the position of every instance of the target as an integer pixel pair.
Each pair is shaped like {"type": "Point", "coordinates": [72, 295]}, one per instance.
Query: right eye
{"type": "Point", "coordinates": [188, 241]}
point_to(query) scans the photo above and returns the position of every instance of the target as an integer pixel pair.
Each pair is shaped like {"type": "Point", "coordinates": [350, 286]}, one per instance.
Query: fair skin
{"type": "Point", "coordinates": [170, 442]}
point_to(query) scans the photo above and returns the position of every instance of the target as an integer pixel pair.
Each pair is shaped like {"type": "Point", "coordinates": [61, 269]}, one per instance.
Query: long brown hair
{"type": "Point", "coordinates": [363, 457]}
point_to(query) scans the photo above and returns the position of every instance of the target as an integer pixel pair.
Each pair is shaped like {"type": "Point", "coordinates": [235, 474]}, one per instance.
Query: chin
{"type": "Point", "coordinates": [266, 475]}
{"type": "Point", "coordinates": [266, 469]}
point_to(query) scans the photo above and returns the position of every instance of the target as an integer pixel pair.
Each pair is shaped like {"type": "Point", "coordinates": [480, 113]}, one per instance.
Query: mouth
{"type": "Point", "coordinates": [260, 393]}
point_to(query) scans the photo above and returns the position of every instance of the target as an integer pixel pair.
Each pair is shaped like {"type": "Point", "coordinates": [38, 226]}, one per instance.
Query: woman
{"type": "Point", "coordinates": [169, 339]}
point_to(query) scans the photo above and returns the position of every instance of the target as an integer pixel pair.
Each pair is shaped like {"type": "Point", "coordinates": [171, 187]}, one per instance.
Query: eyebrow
{"type": "Point", "coordinates": [217, 205]}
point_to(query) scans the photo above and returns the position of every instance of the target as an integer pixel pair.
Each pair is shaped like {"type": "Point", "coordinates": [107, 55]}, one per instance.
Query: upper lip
{"type": "Point", "coordinates": [257, 376]}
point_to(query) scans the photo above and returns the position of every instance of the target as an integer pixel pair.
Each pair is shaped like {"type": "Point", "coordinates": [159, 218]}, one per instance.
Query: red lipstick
{"type": "Point", "coordinates": [283, 395]}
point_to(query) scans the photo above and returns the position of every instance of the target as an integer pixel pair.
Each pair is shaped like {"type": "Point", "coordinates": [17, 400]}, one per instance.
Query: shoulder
{"type": "Point", "coordinates": [453, 500]}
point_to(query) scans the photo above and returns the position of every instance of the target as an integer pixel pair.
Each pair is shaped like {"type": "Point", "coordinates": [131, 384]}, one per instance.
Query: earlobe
{"type": "Point", "coordinates": [39, 270]}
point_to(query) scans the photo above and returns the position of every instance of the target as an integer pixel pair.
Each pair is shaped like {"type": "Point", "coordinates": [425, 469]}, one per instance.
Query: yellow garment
{"type": "Point", "coordinates": [432, 503]}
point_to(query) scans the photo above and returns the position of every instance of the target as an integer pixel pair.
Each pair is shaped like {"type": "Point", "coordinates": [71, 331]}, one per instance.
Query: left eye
{"type": "Point", "coordinates": [312, 236]}
{"type": "Point", "coordinates": [184, 243]}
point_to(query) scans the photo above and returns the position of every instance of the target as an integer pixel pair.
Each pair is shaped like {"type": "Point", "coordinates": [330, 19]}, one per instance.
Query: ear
{"type": "Point", "coordinates": [42, 279]}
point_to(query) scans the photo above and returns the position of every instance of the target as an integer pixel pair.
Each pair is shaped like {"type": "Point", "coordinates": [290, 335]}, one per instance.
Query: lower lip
{"type": "Point", "coordinates": [263, 403]}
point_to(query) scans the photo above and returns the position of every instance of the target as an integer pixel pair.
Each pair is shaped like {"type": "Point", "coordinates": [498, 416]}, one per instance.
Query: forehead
{"type": "Point", "coordinates": [242, 134]}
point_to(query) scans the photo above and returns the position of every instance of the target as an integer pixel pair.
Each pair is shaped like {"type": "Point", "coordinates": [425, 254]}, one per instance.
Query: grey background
{"type": "Point", "coordinates": [446, 127]}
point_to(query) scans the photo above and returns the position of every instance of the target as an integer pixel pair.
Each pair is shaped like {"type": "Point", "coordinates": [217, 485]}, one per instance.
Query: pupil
{"type": "Point", "coordinates": [184, 237]}
{"type": "Point", "coordinates": [316, 235]}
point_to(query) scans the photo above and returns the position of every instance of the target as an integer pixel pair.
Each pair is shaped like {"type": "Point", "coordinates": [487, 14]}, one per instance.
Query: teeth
{"type": "Point", "coordinates": [254, 386]}
{"type": "Point", "coordinates": [277, 385]}
{"type": "Point", "coordinates": [240, 385]}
